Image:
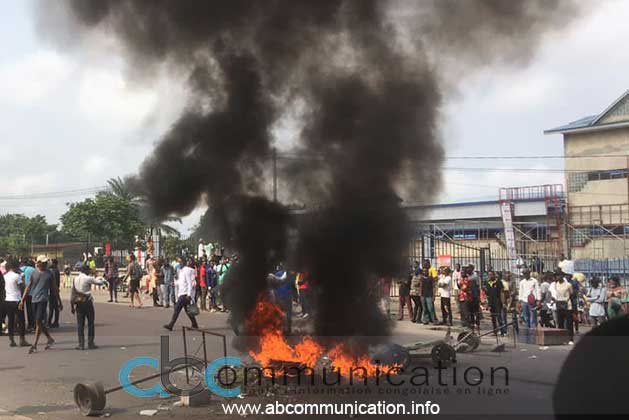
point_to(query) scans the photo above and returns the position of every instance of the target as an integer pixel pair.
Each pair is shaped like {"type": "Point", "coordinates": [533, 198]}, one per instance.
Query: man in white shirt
{"type": "Point", "coordinates": [201, 249]}
{"type": "Point", "coordinates": [529, 295]}
{"type": "Point", "coordinates": [82, 303]}
{"type": "Point", "coordinates": [14, 286]}
{"type": "Point", "coordinates": [185, 293]}
{"type": "Point", "coordinates": [552, 289]}
{"type": "Point", "coordinates": [445, 290]}
{"type": "Point", "coordinates": [456, 281]}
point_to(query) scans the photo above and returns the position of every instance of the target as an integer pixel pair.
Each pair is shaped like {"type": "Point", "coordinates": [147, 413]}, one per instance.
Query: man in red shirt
{"type": "Point", "coordinates": [201, 270]}
{"type": "Point", "coordinates": [465, 296]}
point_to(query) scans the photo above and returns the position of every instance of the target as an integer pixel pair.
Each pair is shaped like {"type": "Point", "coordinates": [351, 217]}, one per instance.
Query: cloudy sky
{"type": "Point", "coordinates": [69, 119]}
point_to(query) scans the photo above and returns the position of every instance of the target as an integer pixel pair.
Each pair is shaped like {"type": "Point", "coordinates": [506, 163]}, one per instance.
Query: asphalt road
{"type": "Point", "coordinates": [40, 386]}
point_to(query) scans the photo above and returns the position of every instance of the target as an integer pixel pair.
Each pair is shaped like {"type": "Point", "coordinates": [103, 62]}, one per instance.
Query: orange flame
{"type": "Point", "coordinates": [266, 322]}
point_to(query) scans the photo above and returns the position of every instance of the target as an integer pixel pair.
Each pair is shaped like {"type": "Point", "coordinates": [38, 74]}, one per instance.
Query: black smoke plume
{"type": "Point", "coordinates": [362, 80]}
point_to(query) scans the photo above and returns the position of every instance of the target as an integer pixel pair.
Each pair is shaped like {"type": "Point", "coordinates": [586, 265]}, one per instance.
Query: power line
{"type": "Point", "coordinates": [532, 157]}
{"type": "Point", "coordinates": [297, 157]}
{"type": "Point", "coordinates": [524, 170]}
{"type": "Point", "coordinates": [52, 194]}
{"type": "Point", "coordinates": [302, 156]}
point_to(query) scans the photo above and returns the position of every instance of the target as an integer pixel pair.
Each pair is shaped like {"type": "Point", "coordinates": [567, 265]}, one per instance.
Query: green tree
{"type": "Point", "coordinates": [18, 231]}
{"type": "Point", "coordinates": [105, 217]}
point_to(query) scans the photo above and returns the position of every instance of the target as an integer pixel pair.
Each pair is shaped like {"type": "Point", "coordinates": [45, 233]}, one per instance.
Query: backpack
{"type": "Point", "coordinates": [136, 271]}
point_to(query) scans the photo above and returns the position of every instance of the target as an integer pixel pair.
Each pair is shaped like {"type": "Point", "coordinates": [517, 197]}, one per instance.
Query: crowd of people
{"type": "Point", "coordinates": [552, 299]}
{"type": "Point", "coordinates": [30, 300]}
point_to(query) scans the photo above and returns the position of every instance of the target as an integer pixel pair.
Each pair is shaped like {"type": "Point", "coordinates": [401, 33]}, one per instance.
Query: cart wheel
{"type": "Point", "coordinates": [90, 398]}
{"type": "Point", "coordinates": [443, 354]}
{"type": "Point", "coordinates": [467, 341]}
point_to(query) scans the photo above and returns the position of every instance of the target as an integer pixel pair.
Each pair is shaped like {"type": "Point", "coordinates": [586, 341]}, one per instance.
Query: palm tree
{"type": "Point", "coordinates": [120, 188]}
{"type": "Point", "coordinates": [162, 226]}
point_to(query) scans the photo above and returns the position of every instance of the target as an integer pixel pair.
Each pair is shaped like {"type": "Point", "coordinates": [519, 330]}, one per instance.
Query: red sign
{"type": "Point", "coordinates": [107, 249]}
{"type": "Point", "coordinates": [444, 260]}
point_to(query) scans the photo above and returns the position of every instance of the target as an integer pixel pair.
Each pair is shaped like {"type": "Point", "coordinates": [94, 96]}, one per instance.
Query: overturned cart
{"type": "Point", "coordinates": [91, 397]}
{"type": "Point", "coordinates": [442, 353]}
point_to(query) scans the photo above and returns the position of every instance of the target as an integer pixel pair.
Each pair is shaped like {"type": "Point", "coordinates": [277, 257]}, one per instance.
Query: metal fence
{"type": "Point", "coordinates": [605, 268]}
{"type": "Point", "coordinates": [442, 251]}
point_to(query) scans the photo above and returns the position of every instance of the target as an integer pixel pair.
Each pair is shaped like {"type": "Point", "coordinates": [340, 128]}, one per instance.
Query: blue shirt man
{"type": "Point", "coordinates": [27, 270]}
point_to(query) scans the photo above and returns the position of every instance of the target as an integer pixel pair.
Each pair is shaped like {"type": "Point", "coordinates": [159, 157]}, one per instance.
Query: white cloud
{"type": "Point", "coordinates": [105, 97]}
{"type": "Point", "coordinates": [32, 77]}
{"type": "Point", "coordinates": [95, 164]}
{"type": "Point", "coordinates": [29, 183]}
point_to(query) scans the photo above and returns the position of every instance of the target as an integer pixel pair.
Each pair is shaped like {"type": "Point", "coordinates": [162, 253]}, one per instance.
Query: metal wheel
{"type": "Point", "coordinates": [467, 341]}
{"type": "Point", "coordinates": [443, 354]}
{"type": "Point", "coordinates": [90, 398]}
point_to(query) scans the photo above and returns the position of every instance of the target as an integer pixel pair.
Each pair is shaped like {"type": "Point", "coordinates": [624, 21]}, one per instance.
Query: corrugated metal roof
{"type": "Point", "coordinates": [589, 121]}
{"type": "Point", "coordinates": [580, 123]}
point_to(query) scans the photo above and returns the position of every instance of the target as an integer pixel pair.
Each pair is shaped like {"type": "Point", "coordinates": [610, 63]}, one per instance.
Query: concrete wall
{"type": "Point", "coordinates": [612, 191]}
{"type": "Point", "coordinates": [603, 142]}
{"type": "Point", "coordinates": [601, 248]}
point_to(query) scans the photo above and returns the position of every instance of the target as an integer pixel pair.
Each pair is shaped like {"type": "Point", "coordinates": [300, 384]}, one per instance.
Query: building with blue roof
{"type": "Point", "coordinates": [596, 150]}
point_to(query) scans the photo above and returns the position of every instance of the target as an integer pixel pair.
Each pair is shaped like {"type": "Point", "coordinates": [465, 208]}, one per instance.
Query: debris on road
{"type": "Point", "coordinates": [148, 412]}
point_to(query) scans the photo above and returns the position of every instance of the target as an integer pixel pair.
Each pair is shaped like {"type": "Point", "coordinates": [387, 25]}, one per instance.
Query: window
{"type": "Point", "coordinates": [608, 174]}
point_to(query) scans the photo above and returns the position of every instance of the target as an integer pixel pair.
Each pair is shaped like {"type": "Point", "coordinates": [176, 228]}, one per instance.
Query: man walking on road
{"type": "Point", "coordinates": [42, 281]}
{"type": "Point", "coordinates": [111, 275]}
{"type": "Point", "coordinates": [185, 293]}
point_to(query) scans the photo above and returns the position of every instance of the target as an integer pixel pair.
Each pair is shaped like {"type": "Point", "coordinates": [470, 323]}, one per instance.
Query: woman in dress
{"type": "Point", "coordinates": [596, 297]}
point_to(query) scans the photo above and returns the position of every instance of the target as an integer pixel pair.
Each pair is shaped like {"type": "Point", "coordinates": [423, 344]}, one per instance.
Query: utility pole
{"type": "Point", "coordinates": [274, 175]}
